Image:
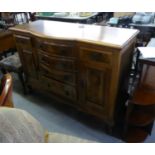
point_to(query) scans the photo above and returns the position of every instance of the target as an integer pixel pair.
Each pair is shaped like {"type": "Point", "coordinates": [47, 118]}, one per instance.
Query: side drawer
{"type": "Point", "coordinates": [23, 41]}
{"type": "Point", "coordinates": [62, 76]}
{"type": "Point", "coordinates": [59, 88]}
{"type": "Point", "coordinates": [96, 56]}
{"type": "Point", "coordinates": [61, 49]}
{"type": "Point", "coordinates": [57, 63]}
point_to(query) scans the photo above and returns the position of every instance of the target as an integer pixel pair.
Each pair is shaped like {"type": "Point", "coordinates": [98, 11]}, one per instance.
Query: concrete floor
{"type": "Point", "coordinates": [59, 118]}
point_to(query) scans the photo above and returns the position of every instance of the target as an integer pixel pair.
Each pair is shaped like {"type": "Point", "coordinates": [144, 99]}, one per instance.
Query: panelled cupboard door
{"type": "Point", "coordinates": [29, 63]}
{"type": "Point", "coordinates": [24, 48]}
{"type": "Point", "coordinates": [94, 87]}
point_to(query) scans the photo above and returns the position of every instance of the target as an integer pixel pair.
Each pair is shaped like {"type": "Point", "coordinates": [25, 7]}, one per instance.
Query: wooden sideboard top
{"type": "Point", "coordinates": [102, 35]}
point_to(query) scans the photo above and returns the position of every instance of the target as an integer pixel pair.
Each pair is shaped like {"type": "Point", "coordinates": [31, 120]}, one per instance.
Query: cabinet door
{"type": "Point", "coordinates": [25, 51]}
{"type": "Point", "coordinates": [94, 88]}
{"type": "Point", "coordinates": [28, 63]}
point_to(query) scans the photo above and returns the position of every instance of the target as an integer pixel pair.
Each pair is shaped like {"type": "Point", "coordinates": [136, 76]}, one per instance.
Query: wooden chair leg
{"type": "Point", "coordinates": [21, 78]}
{"type": "Point", "coordinates": [3, 70]}
{"type": "Point", "coordinates": [1, 56]}
{"type": "Point", "coordinates": [5, 54]}
{"type": "Point", "coordinates": [13, 50]}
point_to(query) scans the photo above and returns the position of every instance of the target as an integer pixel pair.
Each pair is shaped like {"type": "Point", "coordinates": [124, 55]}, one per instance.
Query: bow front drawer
{"type": "Point", "coordinates": [59, 88]}
{"type": "Point", "coordinates": [57, 63]}
{"type": "Point", "coordinates": [62, 49]}
{"type": "Point", "coordinates": [62, 76]}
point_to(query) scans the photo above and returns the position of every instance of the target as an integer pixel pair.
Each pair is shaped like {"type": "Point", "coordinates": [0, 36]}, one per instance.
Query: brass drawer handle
{"type": "Point", "coordinates": [60, 66]}
{"type": "Point", "coordinates": [82, 83]}
{"type": "Point", "coordinates": [46, 72]}
{"type": "Point", "coordinates": [44, 60]}
{"type": "Point", "coordinates": [48, 85]}
{"type": "Point", "coordinates": [64, 52]}
{"type": "Point", "coordinates": [66, 78]}
{"type": "Point", "coordinates": [64, 65]}
{"type": "Point", "coordinates": [95, 56]}
{"type": "Point", "coordinates": [22, 41]}
{"type": "Point", "coordinates": [67, 93]}
{"type": "Point", "coordinates": [42, 47]}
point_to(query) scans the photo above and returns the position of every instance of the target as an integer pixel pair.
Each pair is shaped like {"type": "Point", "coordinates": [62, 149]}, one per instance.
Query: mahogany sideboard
{"type": "Point", "coordinates": [86, 66]}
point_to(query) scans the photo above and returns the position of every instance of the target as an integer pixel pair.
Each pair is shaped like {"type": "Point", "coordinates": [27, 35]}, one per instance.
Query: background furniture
{"type": "Point", "coordinates": [122, 14]}
{"type": "Point", "coordinates": [6, 91]}
{"type": "Point", "coordinates": [147, 31]}
{"type": "Point", "coordinates": [12, 64]}
{"type": "Point", "coordinates": [135, 67]}
{"type": "Point", "coordinates": [6, 41]}
{"type": "Point", "coordinates": [7, 19]}
{"type": "Point", "coordinates": [86, 66]}
{"type": "Point", "coordinates": [13, 18]}
{"type": "Point", "coordinates": [74, 17]}
{"type": "Point", "coordinates": [143, 18]}
{"type": "Point", "coordinates": [141, 108]}
{"type": "Point", "coordinates": [151, 43]}
{"type": "Point", "coordinates": [20, 17]}
{"type": "Point", "coordinates": [144, 21]}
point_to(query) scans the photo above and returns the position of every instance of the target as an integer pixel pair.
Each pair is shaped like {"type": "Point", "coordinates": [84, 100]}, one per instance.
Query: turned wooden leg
{"type": "Point", "coordinates": [21, 78]}
{"type": "Point", "coordinates": [29, 89]}
{"type": "Point", "coordinates": [126, 124]}
{"type": "Point", "coordinates": [109, 129]}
